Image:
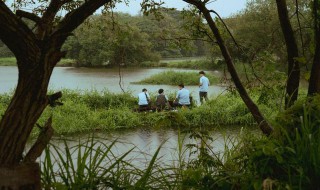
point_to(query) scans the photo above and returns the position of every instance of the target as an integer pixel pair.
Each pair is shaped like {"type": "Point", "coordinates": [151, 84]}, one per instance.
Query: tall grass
{"type": "Point", "coordinates": [92, 164]}
{"type": "Point", "coordinates": [87, 165]}
{"type": "Point", "coordinates": [176, 78]}
{"type": "Point", "coordinates": [91, 111]}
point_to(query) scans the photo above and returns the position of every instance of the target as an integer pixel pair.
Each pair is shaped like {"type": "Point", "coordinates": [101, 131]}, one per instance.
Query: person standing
{"type": "Point", "coordinates": [183, 97]}
{"type": "Point", "coordinates": [144, 99]}
{"type": "Point", "coordinates": [203, 87]}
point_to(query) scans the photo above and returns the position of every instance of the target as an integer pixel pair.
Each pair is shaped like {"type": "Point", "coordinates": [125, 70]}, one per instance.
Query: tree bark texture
{"type": "Point", "coordinates": [257, 115]}
{"type": "Point", "coordinates": [21, 177]}
{"type": "Point", "coordinates": [314, 81]}
{"type": "Point", "coordinates": [293, 53]}
{"type": "Point", "coordinates": [37, 52]}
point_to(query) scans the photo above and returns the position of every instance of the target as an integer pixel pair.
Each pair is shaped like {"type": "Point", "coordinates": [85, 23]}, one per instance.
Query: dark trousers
{"type": "Point", "coordinates": [203, 95]}
{"type": "Point", "coordinates": [176, 104]}
{"type": "Point", "coordinates": [144, 107]}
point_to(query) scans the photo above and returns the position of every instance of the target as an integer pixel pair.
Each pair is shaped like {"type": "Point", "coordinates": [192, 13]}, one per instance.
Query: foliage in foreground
{"type": "Point", "coordinates": [289, 159]}
{"type": "Point", "coordinates": [94, 164]}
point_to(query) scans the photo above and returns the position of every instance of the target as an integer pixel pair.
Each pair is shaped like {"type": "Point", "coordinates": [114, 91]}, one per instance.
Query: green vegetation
{"type": "Point", "coordinates": [289, 159]}
{"type": "Point", "coordinates": [132, 40]}
{"type": "Point", "coordinates": [66, 62]}
{"type": "Point", "coordinates": [91, 111]}
{"type": "Point", "coordinates": [176, 78]}
{"type": "Point", "coordinates": [11, 61]}
{"type": "Point", "coordinates": [191, 63]}
{"type": "Point", "coordinates": [8, 61]}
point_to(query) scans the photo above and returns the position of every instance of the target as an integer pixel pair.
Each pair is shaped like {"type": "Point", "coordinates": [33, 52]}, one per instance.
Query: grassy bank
{"type": "Point", "coordinates": [8, 61]}
{"type": "Point", "coordinates": [11, 61]}
{"type": "Point", "coordinates": [176, 78]}
{"type": "Point", "coordinates": [288, 159]}
{"type": "Point", "coordinates": [91, 111]}
{"type": "Point", "coordinates": [199, 64]}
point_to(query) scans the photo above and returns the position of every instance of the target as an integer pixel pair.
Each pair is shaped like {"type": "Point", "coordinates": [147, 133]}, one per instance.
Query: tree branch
{"type": "Point", "coordinates": [49, 16]}
{"type": "Point", "coordinates": [241, 50]}
{"type": "Point", "coordinates": [76, 17]}
{"type": "Point", "coordinates": [15, 33]}
{"type": "Point", "coordinates": [52, 99]}
{"type": "Point", "coordinates": [41, 143]}
{"type": "Point", "coordinates": [259, 118]}
{"type": "Point", "coordinates": [30, 16]}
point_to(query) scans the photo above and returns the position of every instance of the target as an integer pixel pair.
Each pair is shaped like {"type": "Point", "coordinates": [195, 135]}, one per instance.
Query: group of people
{"type": "Point", "coordinates": [182, 98]}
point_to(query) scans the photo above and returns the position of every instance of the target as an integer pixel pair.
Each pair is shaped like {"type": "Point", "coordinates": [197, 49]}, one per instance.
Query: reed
{"type": "Point", "coordinates": [176, 78]}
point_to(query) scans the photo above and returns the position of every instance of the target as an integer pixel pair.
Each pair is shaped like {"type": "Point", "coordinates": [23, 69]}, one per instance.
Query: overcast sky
{"type": "Point", "coordinates": [223, 7]}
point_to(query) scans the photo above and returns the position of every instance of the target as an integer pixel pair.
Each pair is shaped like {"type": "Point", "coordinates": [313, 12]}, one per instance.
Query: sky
{"type": "Point", "coordinates": [224, 7]}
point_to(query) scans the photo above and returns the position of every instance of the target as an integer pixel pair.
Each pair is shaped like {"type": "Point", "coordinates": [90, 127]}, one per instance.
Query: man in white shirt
{"type": "Point", "coordinates": [203, 87]}
{"type": "Point", "coordinates": [144, 99]}
{"type": "Point", "coordinates": [183, 97]}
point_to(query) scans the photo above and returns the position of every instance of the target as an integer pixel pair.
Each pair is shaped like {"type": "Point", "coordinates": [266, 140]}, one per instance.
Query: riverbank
{"type": "Point", "coordinates": [11, 61]}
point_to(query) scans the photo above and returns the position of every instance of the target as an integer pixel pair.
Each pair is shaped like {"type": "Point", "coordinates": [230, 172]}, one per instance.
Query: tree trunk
{"type": "Point", "coordinates": [259, 118]}
{"type": "Point", "coordinates": [314, 81]}
{"type": "Point", "coordinates": [27, 104]}
{"type": "Point", "coordinates": [293, 53]}
{"type": "Point", "coordinates": [26, 177]}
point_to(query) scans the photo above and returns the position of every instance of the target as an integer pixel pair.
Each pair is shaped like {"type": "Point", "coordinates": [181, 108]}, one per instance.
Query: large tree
{"type": "Point", "coordinates": [37, 50]}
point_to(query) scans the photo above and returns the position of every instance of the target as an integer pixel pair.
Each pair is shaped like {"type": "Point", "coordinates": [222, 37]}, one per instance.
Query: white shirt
{"type": "Point", "coordinates": [205, 84]}
{"type": "Point", "coordinates": [143, 99]}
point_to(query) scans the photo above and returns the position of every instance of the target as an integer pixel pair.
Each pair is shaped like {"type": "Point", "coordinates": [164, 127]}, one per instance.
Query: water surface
{"type": "Point", "coordinates": [146, 141]}
{"type": "Point", "coordinates": [112, 80]}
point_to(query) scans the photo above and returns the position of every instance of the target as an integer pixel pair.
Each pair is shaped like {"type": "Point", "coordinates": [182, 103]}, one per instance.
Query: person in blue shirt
{"type": "Point", "coordinates": [183, 97]}
{"type": "Point", "coordinates": [144, 99]}
{"type": "Point", "coordinates": [203, 87]}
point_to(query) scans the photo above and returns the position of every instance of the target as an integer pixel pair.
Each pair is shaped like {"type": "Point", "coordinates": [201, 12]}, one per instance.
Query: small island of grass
{"type": "Point", "coordinates": [175, 78]}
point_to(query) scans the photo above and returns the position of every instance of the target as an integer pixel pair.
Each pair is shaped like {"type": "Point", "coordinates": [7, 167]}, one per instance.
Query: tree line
{"type": "Point", "coordinates": [117, 38]}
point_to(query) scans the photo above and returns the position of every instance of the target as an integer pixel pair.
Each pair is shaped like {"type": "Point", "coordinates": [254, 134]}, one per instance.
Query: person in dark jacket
{"type": "Point", "coordinates": [162, 100]}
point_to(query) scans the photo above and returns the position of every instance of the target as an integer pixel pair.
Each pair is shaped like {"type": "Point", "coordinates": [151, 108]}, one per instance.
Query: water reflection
{"type": "Point", "coordinates": [145, 143]}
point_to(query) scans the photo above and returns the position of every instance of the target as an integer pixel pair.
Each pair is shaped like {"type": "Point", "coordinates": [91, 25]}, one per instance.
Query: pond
{"type": "Point", "coordinates": [103, 79]}
{"type": "Point", "coordinates": [146, 141]}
